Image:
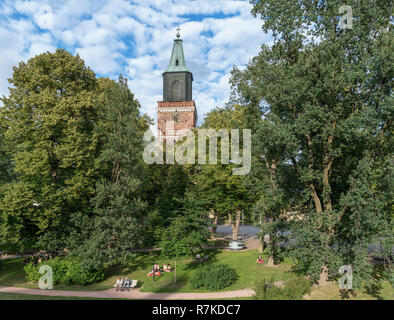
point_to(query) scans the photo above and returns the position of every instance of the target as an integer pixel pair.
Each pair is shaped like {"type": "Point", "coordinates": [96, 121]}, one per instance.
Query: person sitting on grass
{"type": "Point", "coordinates": [259, 260]}
{"type": "Point", "coordinates": [119, 284]}
{"type": "Point", "coordinates": [164, 268]}
{"type": "Point", "coordinates": [126, 284]}
{"type": "Point", "coordinates": [169, 269]}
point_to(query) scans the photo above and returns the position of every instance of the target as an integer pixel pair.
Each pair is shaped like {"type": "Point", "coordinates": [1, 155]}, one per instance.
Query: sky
{"type": "Point", "coordinates": [135, 38]}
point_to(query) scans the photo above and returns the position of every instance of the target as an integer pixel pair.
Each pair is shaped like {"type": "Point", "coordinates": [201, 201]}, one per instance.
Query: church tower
{"type": "Point", "coordinates": [177, 113]}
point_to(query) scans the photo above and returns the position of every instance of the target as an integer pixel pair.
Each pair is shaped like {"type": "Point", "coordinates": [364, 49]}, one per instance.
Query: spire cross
{"type": "Point", "coordinates": [178, 35]}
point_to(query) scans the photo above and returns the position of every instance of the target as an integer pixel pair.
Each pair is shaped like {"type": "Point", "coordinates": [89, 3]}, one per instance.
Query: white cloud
{"type": "Point", "coordinates": [101, 58]}
{"type": "Point", "coordinates": [135, 38]}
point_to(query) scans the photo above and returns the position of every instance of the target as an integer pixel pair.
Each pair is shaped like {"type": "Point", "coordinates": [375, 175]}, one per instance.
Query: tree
{"type": "Point", "coordinates": [328, 90]}
{"type": "Point", "coordinates": [6, 166]}
{"type": "Point", "coordinates": [117, 223]}
{"type": "Point", "coordinates": [275, 197]}
{"type": "Point", "coordinates": [6, 176]}
{"type": "Point", "coordinates": [48, 120]}
{"type": "Point", "coordinates": [225, 192]}
{"type": "Point", "coordinates": [188, 231]}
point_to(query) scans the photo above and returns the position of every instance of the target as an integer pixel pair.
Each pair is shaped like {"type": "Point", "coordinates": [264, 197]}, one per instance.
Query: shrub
{"type": "Point", "coordinates": [293, 289]}
{"type": "Point", "coordinates": [31, 272]}
{"type": "Point", "coordinates": [65, 271]}
{"type": "Point", "coordinates": [213, 277]}
{"type": "Point", "coordinates": [83, 276]}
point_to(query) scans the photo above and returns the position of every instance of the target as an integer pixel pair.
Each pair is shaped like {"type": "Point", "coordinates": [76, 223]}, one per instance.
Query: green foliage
{"type": "Point", "coordinates": [48, 120]}
{"type": "Point", "coordinates": [31, 272]}
{"type": "Point", "coordinates": [213, 277]}
{"type": "Point", "coordinates": [293, 289]}
{"type": "Point", "coordinates": [187, 232]}
{"type": "Point", "coordinates": [117, 223]}
{"type": "Point", "coordinates": [324, 139]}
{"type": "Point", "coordinates": [226, 194]}
{"type": "Point", "coordinates": [65, 271]}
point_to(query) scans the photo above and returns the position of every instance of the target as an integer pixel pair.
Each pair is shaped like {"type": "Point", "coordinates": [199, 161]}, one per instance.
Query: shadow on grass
{"type": "Point", "coordinates": [12, 273]}
{"type": "Point", "coordinates": [140, 261]}
{"type": "Point", "coordinates": [347, 294]}
{"type": "Point", "coordinates": [212, 258]}
{"type": "Point", "coordinates": [375, 290]}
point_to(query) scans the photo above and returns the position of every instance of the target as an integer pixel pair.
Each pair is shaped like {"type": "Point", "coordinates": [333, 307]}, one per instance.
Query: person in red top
{"type": "Point", "coordinates": [259, 260]}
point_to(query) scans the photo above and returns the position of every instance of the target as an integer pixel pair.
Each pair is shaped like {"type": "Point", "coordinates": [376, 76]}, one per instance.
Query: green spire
{"type": "Point", "coordinates": [177, 62]}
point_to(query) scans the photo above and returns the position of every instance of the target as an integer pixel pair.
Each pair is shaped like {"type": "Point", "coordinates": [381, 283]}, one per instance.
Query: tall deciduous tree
{"type": "Point", "coordinates": [49, 119]}
{"type": "Point", "coordinates": [329, 89]}
{"type": "Point", "coordinates": [226, 193]}
{"type": "Point", "coordinates": [117, 224]}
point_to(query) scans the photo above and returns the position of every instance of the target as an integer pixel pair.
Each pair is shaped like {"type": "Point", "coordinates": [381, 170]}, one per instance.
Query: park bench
{"type": "Point", "coordinates": [133, 284]}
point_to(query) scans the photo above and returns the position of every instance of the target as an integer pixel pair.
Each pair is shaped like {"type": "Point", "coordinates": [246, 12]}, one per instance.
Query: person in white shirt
{"type": "Point", "coordinates": [119, 284]}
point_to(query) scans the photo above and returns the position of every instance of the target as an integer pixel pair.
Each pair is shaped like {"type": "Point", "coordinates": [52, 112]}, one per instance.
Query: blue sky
{"type": "Point", "coordinates": [135, 38]}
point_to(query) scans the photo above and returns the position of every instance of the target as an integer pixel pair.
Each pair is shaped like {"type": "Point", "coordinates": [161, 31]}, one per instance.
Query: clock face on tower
{"type": "Point", "coordinates": [175, 117]}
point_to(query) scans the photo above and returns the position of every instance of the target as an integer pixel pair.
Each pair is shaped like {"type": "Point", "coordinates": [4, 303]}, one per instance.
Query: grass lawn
{"type": "Point", "coordinates": [243, 261]}
{"type": "Point", "coordinates": [138, 268]}
{"type": "Point", "coordinates": [331, 292]}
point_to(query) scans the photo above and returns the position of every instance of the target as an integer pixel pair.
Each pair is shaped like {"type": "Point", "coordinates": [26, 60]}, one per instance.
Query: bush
{"type": "Point", "coordinates": [31, 272]}
{"type": "Point", "coordinates": [213, 277]}
{"type": "Point", "coordinates": [65, 271]}
{"type": "Point", "coordinates": [293, 289]}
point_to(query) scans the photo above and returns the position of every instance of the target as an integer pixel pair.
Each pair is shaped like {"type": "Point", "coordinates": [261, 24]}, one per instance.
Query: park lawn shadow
{"type": "Point", "coordinates": [212, 258]}
{"type": "Point", "coordinates": [12, 273]}
{"type": "Point", "coordinates": [347, 294]}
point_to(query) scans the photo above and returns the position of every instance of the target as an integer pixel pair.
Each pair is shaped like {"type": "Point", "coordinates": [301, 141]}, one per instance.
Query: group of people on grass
{"type": "Point", "coordinates": [123, 284]}
{"type": "Point", "coordinates": [259, 259]}
{"type": "Point", "coordinates": [157, 271]}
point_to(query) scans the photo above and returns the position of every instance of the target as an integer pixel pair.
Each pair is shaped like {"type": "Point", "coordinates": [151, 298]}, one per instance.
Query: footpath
{"type": "Point", "coordinates": [135, 294]}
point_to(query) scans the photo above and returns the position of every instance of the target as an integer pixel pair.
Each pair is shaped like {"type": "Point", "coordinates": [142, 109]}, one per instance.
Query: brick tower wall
{"type": "Point", "coordinates": [186, 110]}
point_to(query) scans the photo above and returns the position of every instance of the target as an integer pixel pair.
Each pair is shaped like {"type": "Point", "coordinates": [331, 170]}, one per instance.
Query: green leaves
{"type": "Point", "coordinates": [49, 118]}
{"type": "Point", "coordinates": [188, 232]}
{"type": "Point", "coordinates": [116, 226]}
{"type": "Point", "coordinates": [325, 93]}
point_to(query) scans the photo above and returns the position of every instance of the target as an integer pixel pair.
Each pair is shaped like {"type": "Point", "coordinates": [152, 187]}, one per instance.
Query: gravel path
{"type": "Point", "coordinates": [136, 294]}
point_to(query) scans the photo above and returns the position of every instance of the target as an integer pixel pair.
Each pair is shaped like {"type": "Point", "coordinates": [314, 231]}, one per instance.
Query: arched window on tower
{"type": "Point", "coordinates": [176, 91]}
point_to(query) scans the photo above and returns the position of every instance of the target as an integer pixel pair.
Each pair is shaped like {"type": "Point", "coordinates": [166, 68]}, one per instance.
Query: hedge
{"type": "Point", "coordinates": [213, 277]}
{"type": "Point", "coordinates": [65, 271]}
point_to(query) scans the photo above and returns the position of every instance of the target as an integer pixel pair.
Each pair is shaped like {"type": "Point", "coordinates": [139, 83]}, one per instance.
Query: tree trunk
{"type": "Point", "coordinates": [215, 222]}
{"type": "Point", "coordinates": [261, 246]}
{"type": "Point", "coordinates": [323, 281]}
{"type": "Point", "coordinates": [270, 261]}
{"type": "Point", "coordinates": [230, 219]}
{"type": "Point", "coordinates": [235, 226]}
